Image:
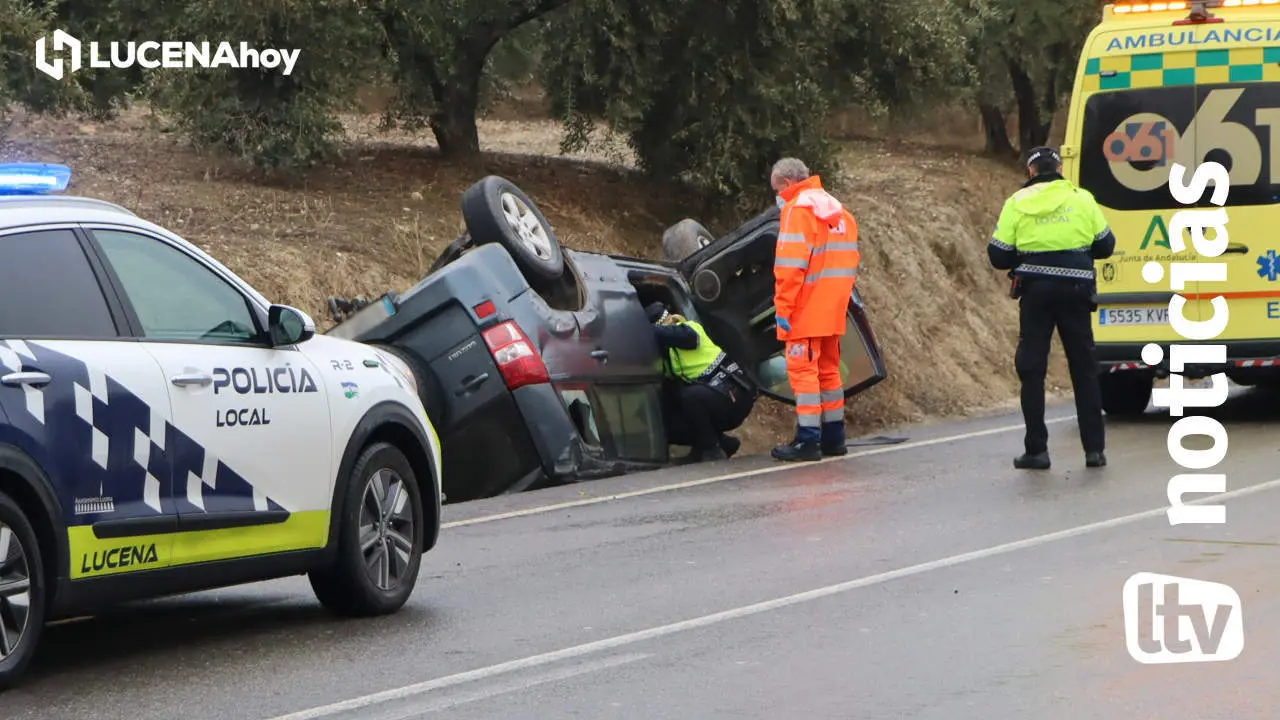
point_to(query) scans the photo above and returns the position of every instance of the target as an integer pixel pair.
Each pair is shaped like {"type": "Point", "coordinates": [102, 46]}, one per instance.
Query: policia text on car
{"type": "Point", "coordinates": [707, 393]}
{"type": "Point", "coordinates": [1048, 235]}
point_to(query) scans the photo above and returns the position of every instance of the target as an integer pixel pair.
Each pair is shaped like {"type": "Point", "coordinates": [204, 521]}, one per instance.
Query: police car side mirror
{"type": "Point", "coordinates": [289, 326]}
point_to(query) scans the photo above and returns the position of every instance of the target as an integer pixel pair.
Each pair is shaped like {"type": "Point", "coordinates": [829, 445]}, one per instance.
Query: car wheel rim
{"type": "Point", "coordinates": [525, 224]}
{"type": "Point", "coordinates": [386, 529]}
{"type": "Point", "coordinates": [15, 591]}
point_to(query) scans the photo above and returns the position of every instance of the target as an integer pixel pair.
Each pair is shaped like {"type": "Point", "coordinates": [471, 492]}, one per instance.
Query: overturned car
{"type": "Point", "coordinates": [537, 364]}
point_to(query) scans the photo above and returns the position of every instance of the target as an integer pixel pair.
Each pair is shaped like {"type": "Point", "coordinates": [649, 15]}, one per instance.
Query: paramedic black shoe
{"type": "Point", "coordinates": [729, 444]}
{"type": "Point", "coordinates": [834, 449]}
{"type": "Point", "coordinates": [803, 451]}
{"type": "Point", "coordinates": [1095, 459]}
{"type": "Point", "coordinates": [1026, 461]}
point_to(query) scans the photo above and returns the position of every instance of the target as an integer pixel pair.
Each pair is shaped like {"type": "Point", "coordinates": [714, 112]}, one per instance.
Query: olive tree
{"type": "Point", "coordinates": [713, 93]}
{"type": "Point", "coordinates": [1025, 53]}
{"type": "Point", "coordinates": [440, 50]}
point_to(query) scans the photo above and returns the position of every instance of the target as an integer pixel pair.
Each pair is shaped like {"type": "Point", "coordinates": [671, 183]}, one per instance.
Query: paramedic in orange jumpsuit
{"type": "Point", "coordinates": [815, 267]}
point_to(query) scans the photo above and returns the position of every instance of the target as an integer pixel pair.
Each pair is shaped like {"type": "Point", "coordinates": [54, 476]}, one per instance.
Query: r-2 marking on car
{"type": "Point", "coordinates": [342, 364]}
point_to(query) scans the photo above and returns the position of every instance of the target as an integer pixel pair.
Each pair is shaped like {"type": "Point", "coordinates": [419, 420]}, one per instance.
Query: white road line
{"type": "Point", "coordinates": [418, 709]}
{"type": "Point", "coordinates": [780, 467]}
{"type": "Point", "coordinates": [748, 610]}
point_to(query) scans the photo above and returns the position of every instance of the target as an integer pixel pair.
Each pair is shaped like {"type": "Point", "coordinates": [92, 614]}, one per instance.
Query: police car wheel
{"type": "Point", "coordinates": [380, 538]}
{"type": "Point", "coordinates": [22, 592]}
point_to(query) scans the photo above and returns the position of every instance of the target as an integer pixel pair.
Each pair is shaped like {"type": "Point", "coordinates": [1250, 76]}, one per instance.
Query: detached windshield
{"type": "Point", "coordinates": [1132, 137]}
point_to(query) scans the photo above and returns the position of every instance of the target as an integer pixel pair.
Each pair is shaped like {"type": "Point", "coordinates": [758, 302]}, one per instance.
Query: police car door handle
{"type": "Point", "coordinates": [26, 378]}
{"type": "Point", "coordinates": [186, 379]}
{"type": "Point", "coordinates": [600, 354]}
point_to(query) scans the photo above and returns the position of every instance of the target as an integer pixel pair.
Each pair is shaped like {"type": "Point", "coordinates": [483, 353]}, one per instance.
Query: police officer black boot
{"type": "Point", "coordinates": [698, 455]}
{"type": "Point", "coordinates": [1095, 459]}
{"type": "Point", "coordinates": [729, 444]}
{"type": "Point", "coordinates": [1032, 461]}
{"type": "Point", "coordinates": [805, 447]}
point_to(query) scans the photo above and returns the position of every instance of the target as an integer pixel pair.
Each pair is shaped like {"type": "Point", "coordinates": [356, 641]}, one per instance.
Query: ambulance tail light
{"type": "Point", "coordinates": [518, 360]}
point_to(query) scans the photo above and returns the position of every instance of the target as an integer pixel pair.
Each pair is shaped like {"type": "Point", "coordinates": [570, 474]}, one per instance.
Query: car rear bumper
{"type": "Point", "coordinates": [1242, 355]}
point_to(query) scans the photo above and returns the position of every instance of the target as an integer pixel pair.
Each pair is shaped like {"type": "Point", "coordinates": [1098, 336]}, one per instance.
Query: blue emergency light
{"type": "Point", "coordinates": [33, 178]}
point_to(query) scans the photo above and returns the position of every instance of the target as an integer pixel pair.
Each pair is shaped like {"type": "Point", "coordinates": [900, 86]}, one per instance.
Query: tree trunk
{"type": "Point", "coordinates": [997, 131]}
{"type": "Point", "coordinates": [1032, 131]}
{"type": "Point", "coordinates": [454, 121]}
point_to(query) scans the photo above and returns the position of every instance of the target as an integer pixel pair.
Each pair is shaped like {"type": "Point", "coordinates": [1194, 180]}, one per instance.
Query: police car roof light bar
{"type": "Point", "coordinates": [33, 178]}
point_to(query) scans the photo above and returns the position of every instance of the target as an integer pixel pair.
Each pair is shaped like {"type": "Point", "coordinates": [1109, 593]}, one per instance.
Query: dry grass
{"type": "Point", "coordinates": [377, 220]}
{"type": "Point", "coordinates": [942, 314]}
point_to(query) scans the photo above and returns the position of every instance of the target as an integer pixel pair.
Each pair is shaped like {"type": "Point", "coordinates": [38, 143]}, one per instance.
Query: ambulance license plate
{"type": "Point", "coordinates": [1156, 315]}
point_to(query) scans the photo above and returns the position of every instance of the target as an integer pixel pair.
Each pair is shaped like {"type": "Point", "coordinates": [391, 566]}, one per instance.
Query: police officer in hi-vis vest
{"type": "Point", "coordinates": [707, 394]}
{"type": "Point", "coordinates": [1048, 235]}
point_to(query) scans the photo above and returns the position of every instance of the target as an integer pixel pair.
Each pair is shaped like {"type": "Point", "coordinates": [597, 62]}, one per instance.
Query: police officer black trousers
{"type": "Point", "coordinates": [698, 415]}
{"type": "Point", "coordinates": [1046, 304]}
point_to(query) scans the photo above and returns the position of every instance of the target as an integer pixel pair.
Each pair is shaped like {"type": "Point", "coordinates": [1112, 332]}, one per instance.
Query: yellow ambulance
{"type": "Point", "coordinates": [1185, 82]}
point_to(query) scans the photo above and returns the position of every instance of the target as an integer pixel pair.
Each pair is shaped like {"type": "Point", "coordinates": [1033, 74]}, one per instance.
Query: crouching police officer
{"type": "Point", "coordinates": [1048, 235]}
{"type": "Point", "coordinates": [707, 395]}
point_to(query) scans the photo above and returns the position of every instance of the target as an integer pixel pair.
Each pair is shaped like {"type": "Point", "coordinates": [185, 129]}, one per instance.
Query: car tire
{"type": "Point", "coordinates": [363, 583]}
{"type": "Point", "coordinates": [19, 547]}
{"type": "Point", "coordinates": [684, 239]}
{"type": "Point", "coordinates": [1125, 394]}
{"type": "Point", "coordinates": [495, 210]}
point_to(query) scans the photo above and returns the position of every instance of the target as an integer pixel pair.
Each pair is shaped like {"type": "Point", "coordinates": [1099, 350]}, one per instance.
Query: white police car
{"type": "Point", "coordinates": [164, 428]}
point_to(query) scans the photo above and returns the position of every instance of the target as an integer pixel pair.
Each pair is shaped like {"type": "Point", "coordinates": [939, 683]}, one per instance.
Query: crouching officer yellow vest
{"type": "Point", "coordinates": [691, 365]}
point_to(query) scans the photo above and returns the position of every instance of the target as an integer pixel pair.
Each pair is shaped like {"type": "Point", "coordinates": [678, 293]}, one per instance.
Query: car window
{"type": "Point", "coordinates": [174, 295]}
{"type": "Point", "coordinates": [855, 364]}
{"type": "Point", "coordinates": [578, 403]}
{"type": "Point", "coordinates": [632, 416]}
{"type": "Point", "coordinates": [48, 289]}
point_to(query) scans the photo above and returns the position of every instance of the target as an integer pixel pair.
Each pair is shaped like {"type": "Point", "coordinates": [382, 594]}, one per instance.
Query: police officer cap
{"type": "Point", "coordinates": [1044, 156]}
{"type": "Point", "coordinates": [655, 311]}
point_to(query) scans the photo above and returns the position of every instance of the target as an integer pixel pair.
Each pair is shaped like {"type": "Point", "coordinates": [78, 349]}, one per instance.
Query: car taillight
{"type": "Point", "coordinates": [517, 359]}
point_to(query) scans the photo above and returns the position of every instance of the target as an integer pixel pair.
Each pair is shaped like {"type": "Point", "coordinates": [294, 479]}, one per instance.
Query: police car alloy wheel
{"type": "Point", "coordinates": [386, 529]}
{"type": "Point", "coordinates": [22, 591]}
{"type": "Point", "coordinates": [380, 539]}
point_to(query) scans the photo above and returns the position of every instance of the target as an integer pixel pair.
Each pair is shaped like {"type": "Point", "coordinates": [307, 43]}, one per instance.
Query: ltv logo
{"type": "Point", "coordinates": [1169, 619]}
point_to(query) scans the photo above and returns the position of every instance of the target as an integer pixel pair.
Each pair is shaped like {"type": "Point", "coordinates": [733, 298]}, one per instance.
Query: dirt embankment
{"type": "Point", "coordinates": [376, 222]}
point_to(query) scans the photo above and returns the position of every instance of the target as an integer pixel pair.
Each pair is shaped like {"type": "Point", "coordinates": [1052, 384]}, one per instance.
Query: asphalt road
{"type": "Point", "coordinates": [922, 580]}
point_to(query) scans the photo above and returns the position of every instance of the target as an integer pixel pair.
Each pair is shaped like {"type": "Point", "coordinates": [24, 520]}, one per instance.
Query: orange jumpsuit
{"type": "Point", "coordinates": [815, 268]}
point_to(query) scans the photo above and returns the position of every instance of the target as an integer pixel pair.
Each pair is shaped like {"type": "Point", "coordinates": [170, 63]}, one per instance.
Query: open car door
{"type": "Point", "coordinates": [732, 282]}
